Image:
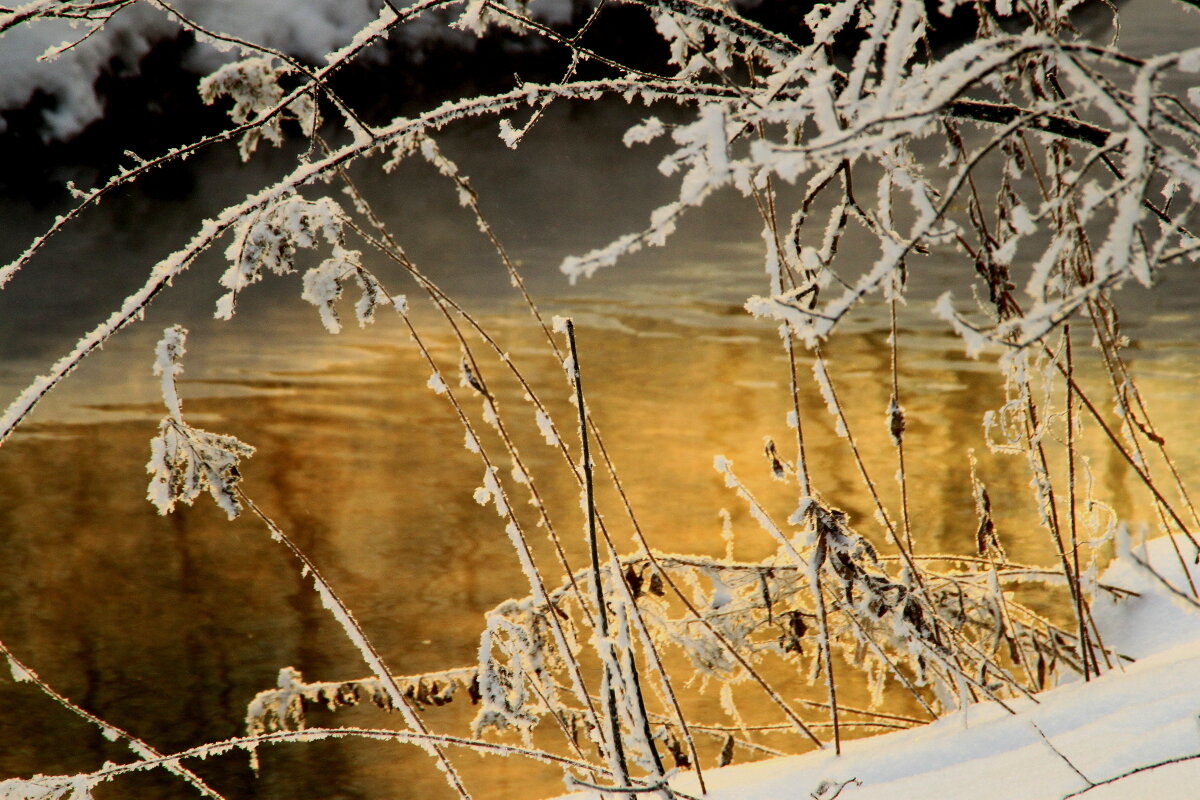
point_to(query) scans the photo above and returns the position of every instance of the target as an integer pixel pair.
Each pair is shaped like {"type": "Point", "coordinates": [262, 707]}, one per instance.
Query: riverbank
{"type": "Point", "coordinates": [1132, 733]}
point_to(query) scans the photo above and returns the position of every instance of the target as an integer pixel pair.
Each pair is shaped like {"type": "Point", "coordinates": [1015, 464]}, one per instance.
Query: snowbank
{"type": "Point", "coordinates": [1074, 739]}
{"type": "Point", "coordinates": [308, 30]}
{"type": "Point", "coordinates": [1162, 617]}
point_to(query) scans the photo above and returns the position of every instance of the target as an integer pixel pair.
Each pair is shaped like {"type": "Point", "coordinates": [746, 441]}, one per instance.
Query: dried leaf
{"type": "Point", "coordinates": [678, 753]}
{"type": "Point", "coordinates": [635, 581]}
{"type": "Point", "coordinates": [726, 752]}
{"type": "Point", "coordinates": [473, 690]}
{"type": "Point", "coordinates": [896, 422]}
{"type": "Point", "coordinates": [777, 466]}
{"type": "Point", "coordinates": [1014, 652]}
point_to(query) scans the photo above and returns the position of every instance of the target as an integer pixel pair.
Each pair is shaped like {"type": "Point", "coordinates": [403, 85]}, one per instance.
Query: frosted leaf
{"type": "Point", "coordinates": [490, 414]}
{"type": "Point", "coordinates": [509, 135]}
{"type": "Point", "coordinates": [490, 492]}
{"type": "Point", "coordinates": [476, 17]}
{"type": "Point", "coordinates": [323, 288]}
{"type": "Point", "coordinates": [281, 708]}
{"type": "Point", "coordinates": [546, 427]}
{"type": "Point", "coordinates": [185, 461]}
{"type": "Point", "coordinates": [644, 132]}
{"type": "Point", "coordinates": [675, 35]}
{"type": "Point", "coordinates": [493, 487]}
{"type": "Point", "coordinates": [225, 306]}
{"type": "Point", "coordinates": [253, 85]}
{"type": "Point", "coordinates": [19, 674]}
{"type": "Point", "coordinates": [270, 239]}
{"type": "Point", "coordinates": [373, 296]}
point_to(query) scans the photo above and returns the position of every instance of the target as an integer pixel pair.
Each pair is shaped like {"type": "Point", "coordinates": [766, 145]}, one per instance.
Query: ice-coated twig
{"type": "Point", "coordinates": [354, 632]}
{"type": "Point", "coordinates": [23, 672]}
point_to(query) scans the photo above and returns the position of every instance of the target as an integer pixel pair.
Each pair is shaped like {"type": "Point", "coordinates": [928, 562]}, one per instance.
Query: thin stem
{"type": "Point", "coordinates": [443, 302]}
{"type": "Point", "coordinates": [826, 643]}
{"type": "Point", "coordinates": [605, 642]}
{"type": "Point", "coordinates": [361, 642]}
{"type": "Point", "coordinates": [140, 747]}
{"type": "Point", "coordinates": [1085, 655]}
{"type": "Point", "coordinates": [896, 425]}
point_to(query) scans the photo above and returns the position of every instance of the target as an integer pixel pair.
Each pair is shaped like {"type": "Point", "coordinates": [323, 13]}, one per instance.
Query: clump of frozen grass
{"type": "Point", "coordinates": [1064, 172]}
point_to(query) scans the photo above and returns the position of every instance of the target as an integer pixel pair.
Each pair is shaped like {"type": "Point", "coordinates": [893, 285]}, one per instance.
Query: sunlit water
{"type": "Point", "coordinates": [168, 626]}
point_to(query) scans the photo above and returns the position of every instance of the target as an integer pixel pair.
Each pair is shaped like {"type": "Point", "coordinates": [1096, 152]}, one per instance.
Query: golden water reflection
{"type": "Point", "coordinates": [168, 626]}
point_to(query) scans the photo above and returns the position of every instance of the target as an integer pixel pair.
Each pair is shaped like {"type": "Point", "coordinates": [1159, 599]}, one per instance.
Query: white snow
{"type": "Point", "coordinates": [1079, 738]}
{"type": "Point", "coordinates": [70, 77]}
{"type": "Point", "coordinates": [1161, 618]}
{"type": "Point", "coordinates": [546, 427]}
{"type": "Point", "coordinates": [309, 30]}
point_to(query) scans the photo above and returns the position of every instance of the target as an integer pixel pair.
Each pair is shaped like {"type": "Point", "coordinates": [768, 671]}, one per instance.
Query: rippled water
{"type": "Point", "coordinates": [168, 626]}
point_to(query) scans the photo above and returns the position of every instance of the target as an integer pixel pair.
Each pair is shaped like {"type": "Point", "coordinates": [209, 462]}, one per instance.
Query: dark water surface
{"type": "Point", "coordinates": [168, 626]}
